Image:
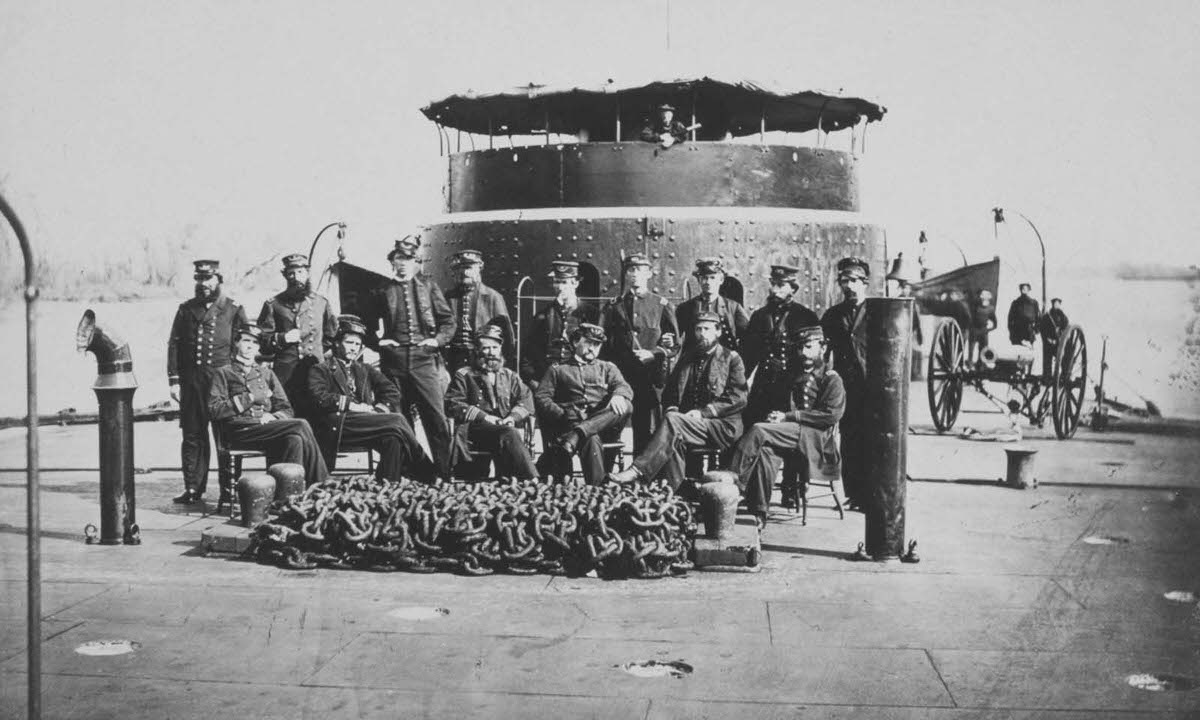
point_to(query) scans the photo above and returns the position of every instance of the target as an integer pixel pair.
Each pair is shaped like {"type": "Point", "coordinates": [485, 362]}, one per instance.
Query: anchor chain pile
{"type": "Point", "coordinates": [515, 526]}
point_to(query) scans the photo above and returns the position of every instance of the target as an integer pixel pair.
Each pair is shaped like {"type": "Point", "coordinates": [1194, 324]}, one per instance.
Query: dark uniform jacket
{"type": "Point", "coordinates": [470, 396]}
{"type": "Point", "coordinates": [548, 341]}
{"type": "Point", "coordinates": [202, 338]}
{"type": "Point", "coordinates": [334, 384]}
{"type": "Point", "coordinates": [572, 391]}
{"type": "Point", "coordinates": [721, 391]}
{"type": "Point", "coordinates": [1053, 324]}
{"type": "Point", "coordinates": [654, 131]}
{"type": "Point", "coordinates": [734, 320]}
{"type": "Point", "coordinates": [431, 318]}
{"type": "Point", "coordinates": [818, 400]}
{"type": "Point", "coordinates": [482, 307]}
{"type": "Point", "coordinates": [983, 319]}
{"type": "Point", "coordinates": [244, 393]}
{"type": "Point", "coordinates": [768, 334]}
{"type": "Point", "coordinates": [310, 314]}
{"type": "Point", "coordinates": [1023, 319]}
{"type": "Point", "coordinates": [845, 332]}
{"type": "Point", "coordinates": [635, 322]}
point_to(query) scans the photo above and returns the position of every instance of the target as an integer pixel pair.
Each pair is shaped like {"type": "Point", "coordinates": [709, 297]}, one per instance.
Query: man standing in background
{"type": "Point", "coordinates": [298, 326]}
{"type": "Point", "coordinates": [474, 305]}
{"type": "Point", "coordinates": [1023, 317]}
{"type": "Point", "coordinates": [845, 331]}
{"type": "Point", "coordinates": [202, 340]}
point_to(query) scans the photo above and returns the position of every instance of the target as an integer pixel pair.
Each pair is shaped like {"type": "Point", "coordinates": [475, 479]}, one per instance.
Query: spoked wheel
{"type": "Point", "coordinates": [947, 360]}
{"type": "Point", "coordinates": [1070, 381]}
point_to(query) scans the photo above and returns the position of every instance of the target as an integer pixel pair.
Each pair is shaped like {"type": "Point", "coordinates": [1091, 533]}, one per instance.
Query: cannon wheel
{"type": "Point", "coordinates": [1070, 381]}
{"type": "Point", "coordinates": [944, 378]}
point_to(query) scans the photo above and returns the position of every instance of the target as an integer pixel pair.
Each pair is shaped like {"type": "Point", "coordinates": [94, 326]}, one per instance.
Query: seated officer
{"type": "Point", "coordinates": [580, 402]}
{"type": "Point", "coordinates": [817, 400]}
{"type": "Point", "coordinates": [704, 398]}
{"type": "Point", "coordinates": [489, 401]}
{"type": "Point", "coordinates": [249, 403]}
{"type": "Point", "coordinates": [355, 405]}
{"type": "Point", "coordinates": [548, 342]}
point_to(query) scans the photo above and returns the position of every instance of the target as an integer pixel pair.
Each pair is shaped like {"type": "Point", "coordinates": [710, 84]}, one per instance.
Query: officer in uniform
{"type": "Point", "coordinates": [704, 397]}
{"type": "Point", "coordinates": [805, 431]}
{"type": "Point", "coordinates": [298, 327]}
{"type": "Point", "coordinates": [1052, 325]}
{"type": "Point", "coordinates": [474, 305]}
{"type": "Point", "coordinates": [767, 347]}
{"type": "Point", "coordinates": [548, 341]}
{"type": "Point", "coordinates": [710, 274]}
{"type": "Point", "coordinates": [846, 332]}
{"type": "Point", "coordinates": [581, 403]}
{"type": "Point", "coordinates": [416, 323]}
{"type": "Point", "coordinates": [1023, 317]}
{"type": "Point", "coordinates": [356, 405]}
{"type": "Point", "coordinates": [489, 402]}
{"type": "Point", "coordinates": [202, 338]}
{"type": "Point", "coordinates": [642, 340]}
{"type": "Point", "coordinates": [248, 401]}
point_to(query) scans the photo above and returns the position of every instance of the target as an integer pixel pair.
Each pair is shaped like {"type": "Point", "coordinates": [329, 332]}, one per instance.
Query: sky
{"type": "Point", "coordinates": [245, 127]}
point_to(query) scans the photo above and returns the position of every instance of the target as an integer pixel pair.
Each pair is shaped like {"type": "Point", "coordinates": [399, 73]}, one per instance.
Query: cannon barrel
{"type": "Point", "coordinates": [114, 387]}
{"type": "Point", "coordinates": [1013, 356]}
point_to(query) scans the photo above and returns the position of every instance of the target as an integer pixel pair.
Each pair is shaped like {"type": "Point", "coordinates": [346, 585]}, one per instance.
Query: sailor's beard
{"type": "Point", "coordinates": [491, 364]}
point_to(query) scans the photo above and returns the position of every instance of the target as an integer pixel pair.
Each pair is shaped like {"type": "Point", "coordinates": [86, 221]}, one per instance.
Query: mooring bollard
{"type": "Point", "coordinates": [289, 480]}
{"type": "Point", "coordinates": [888, 325]}
{"type": "Point", "coordinates": [719, 498]}
{"type": "Point", "coordinates": [114, 387]}
{"type": "Point", "coordinates": [1020, 468]}
{"type": "Point", "coordinates": [255, 493]}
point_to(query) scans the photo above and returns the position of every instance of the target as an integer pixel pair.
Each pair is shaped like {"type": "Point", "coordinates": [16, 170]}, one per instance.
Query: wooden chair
{"type": "Point", "coordinates": [229, 465]}
{"type": "Point", "coordinates": [345, 450]}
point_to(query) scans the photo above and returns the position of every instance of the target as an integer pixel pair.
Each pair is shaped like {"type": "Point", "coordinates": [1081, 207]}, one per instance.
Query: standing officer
{"type": "Point", "coordinates": [248, 401]}
{"type": "Point", "coordinates": [548, 341]}
{"type": "Point", "coordinates": [1052, 325]}
{"type": "Point", "coordinates": [202, 338]}
{"type": "Point", "coordinates": [356, 405]}
{"type": "Point", "coordinates": [474, 305]}
{"type": "Point", "coordinates": [580, 404]}
{"type": "Point", "coordinates": [416, 323]}
{"type": "Point", "coordinates": [641, 330]}
{"type": "Point", "coordinates": [489, 401]}
{"type": "Point", "coordinates": [844, 329]}
{"type": "Point", "coordinates": [804, 431]}
{"type": "Point", "coordinates": [733, 317]}
{"type": "Point", "coordinates": [1023, 317]}
{"type": "Point", "coordinates": [705, 396]}
{"type": "Point", "coordinates": [767, 346]}
{"type": "Point", "coordinates": [298, 327]}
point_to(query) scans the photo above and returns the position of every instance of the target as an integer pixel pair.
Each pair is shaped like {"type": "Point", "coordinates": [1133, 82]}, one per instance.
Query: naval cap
{"type": "Point", "coordinates": [787, 274]}
{"type": "Point", "coordinates": [406, 247]}
{"type": "Point", "coordinates": [707, 316]}
{"type": "Point", "coordinates": [350, 325]}
{"type": "Point", "coordinates": [853, 268]}
{"type": "Point", "coordinates": [490, 332]}
{"type": "Point", "coordinates": [588, 331]}
{"type": "Point", "coordinates": [206, 268]}
{"type": "Point", "coordinates": [564, 269]}
{"type": "Point", "coordinates": [251, 330]}
{"type": "Point", "coordinates": [708, 266]}
{"type": "Point", "coordinates": [636, 259]}
{"type": "Point", "coordinates": [806, 334]}
{"type": "Point", "coordinates": [665, 106]}
{"type": "Point", "coordinates": [295, 260]}
{"type": "Point", "coordinates": [466, 257]}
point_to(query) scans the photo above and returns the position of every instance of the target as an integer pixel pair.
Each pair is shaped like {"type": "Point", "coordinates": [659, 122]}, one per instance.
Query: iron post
{"type": "Point", "coordinates": [33, 530]}
{"type": "Point", "coordinates": [114, 387]}
{"type": "Point", "coordinates": [888, 323]}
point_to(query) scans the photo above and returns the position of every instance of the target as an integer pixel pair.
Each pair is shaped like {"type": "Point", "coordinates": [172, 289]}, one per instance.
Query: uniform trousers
{"type": "Point", "coordinates": [756, 458]}
{"type": "Point", "coordinates": [289, 441]}
{"type": "Point", "coordinates": [416, 371]}
{"type": "Point", "coordinates": [665, 453]}
{"type": "Point", "coordinates": [195, 449]}
{"type": "Point", "coordinates": [388, 434]}
{"type": "Point", "coordinates": [853, 426]}
{"type": "Point", "coordinates": [604, 426]}
{"type": "Point", "coordinates": [647, 402]}
{"type": "Point", "coordinates": [293, 374]}
{"type": "Point", "coordinates": [505, 444]}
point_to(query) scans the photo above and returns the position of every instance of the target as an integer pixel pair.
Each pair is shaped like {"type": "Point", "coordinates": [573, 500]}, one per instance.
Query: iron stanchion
{"type": "Point", "coordinates": [888, 324]}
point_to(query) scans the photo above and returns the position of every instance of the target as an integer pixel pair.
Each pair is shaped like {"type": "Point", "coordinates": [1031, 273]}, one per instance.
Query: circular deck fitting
{"type": "Point", "coordinates": [1161, 683]}
{"type": "Point", "coordinates": [1180, 596]}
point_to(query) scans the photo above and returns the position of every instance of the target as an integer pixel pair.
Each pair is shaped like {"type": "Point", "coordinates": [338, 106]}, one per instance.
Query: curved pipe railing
{"type": "Point", "coordinates": [32, 507]}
